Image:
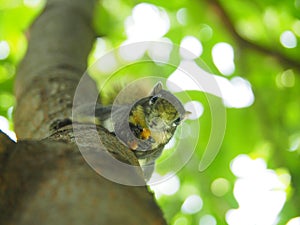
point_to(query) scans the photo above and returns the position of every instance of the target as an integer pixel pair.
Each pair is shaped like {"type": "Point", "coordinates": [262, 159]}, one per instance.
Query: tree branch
{"type": "Point", "coordinates": [225, 18]}
{"type": "Point", "coordinates": [59, 43]}
{"type": "Point", "coordinates": [49, 181]}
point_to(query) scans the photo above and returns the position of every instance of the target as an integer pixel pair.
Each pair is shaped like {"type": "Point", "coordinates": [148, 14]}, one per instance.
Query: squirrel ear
{"type": "Point", "coordinates": [186, 115]}
{"type": "Point", "coordinates": [157, 88]}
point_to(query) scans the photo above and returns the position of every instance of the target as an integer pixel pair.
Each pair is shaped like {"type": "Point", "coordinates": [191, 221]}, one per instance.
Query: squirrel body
{"type": "Point", "coordinates": [145, 125]}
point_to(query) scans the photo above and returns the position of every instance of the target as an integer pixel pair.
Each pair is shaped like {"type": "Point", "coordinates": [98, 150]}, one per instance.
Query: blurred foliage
{"type": "Point", "coordinates": [268, 129]}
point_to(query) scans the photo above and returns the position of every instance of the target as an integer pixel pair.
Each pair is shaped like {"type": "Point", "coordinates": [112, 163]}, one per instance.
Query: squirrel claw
{"type": "Point", "coordinates": [139, 145]}
{"type": "Point", "coordinates": [133, 145]}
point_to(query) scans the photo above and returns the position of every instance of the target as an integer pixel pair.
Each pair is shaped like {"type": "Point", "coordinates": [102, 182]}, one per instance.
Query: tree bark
{"type": "Point", "coordinates": [44, 179]}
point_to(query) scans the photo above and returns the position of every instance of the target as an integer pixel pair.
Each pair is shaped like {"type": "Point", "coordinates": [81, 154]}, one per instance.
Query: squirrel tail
{"type": "Point", "coordinates": [125, 92]}
{"type": "Point", "coordinates": [108, 95]}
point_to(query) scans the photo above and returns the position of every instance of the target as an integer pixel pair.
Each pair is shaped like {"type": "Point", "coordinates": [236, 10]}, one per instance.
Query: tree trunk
{"type": "Point", "coordinates": [44, 179]}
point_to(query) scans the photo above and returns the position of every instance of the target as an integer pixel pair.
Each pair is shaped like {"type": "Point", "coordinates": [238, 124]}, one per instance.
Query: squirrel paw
{"type": "Point", "coordinates": [140, 145]}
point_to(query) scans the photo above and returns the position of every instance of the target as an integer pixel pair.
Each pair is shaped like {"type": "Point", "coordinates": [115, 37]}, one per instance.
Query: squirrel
{"type": "Point", "coordinates": [146, 124]}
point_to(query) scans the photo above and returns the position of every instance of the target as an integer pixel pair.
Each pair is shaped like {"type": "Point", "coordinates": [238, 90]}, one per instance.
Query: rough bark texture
{"type": "Point", "coordinates": [43, 177]}
{"type": "Point", "coordinates": [59, 43]}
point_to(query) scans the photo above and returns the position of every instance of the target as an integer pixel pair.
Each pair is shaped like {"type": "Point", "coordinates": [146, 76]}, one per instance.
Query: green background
{"type": "Point", "coordinates": [265, 135]}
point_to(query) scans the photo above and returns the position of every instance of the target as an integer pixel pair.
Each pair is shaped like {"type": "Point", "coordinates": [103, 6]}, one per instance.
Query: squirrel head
{"type": "Point", "coordinates": [163, 111]}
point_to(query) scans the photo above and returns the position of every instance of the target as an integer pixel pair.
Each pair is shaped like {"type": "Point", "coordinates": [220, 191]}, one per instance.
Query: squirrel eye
{"type": "Point", "coordinates": [139, 127]}
{"type": "Point", "coordinates": [153, 100]}
{"type": "Point", "coordinates": [176, 122]}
